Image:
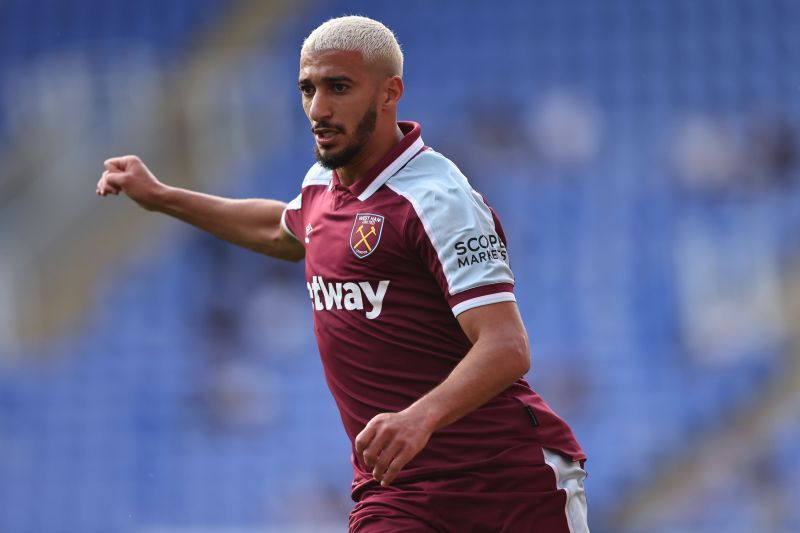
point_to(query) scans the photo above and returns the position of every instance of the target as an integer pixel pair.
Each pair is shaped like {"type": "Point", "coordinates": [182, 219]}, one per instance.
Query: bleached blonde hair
{"type": "Point", "coordinates": [375, 41]}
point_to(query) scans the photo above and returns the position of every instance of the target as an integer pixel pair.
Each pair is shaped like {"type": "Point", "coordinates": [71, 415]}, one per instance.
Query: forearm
{"type": "Point", "coordinates": [499, 356]}
{"type": "Point", "coordinates": [254, 224]}
{"type": "Point", "coordinates": [489, 368]}
{"type": "Point", "coordinates": [251, 223]}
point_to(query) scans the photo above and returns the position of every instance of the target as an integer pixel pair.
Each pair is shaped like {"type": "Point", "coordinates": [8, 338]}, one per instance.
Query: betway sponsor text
{"type": "Point", "coordinates": [349, 296]}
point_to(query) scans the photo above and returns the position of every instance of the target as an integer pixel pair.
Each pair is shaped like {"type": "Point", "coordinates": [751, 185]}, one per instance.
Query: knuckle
{"type": "Point", "coordinates": [360, 442]}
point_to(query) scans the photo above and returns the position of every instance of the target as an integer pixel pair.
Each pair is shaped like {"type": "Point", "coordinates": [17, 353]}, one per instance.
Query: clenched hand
{"type": "Point", "coordinates": [389, 441]}
{"type": "Point", "coordinates": [129, 175]}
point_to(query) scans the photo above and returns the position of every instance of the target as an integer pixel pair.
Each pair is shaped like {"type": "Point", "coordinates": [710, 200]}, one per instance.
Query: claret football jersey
{"type": "Point", "coordinates": [391, 261]}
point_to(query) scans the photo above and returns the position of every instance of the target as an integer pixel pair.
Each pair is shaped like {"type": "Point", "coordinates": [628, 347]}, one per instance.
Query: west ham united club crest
{"type": "Point", "coordinates": [366, 234]}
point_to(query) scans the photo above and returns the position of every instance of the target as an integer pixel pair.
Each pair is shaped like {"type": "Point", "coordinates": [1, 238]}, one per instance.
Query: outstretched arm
{"type": "Point", "coordinates": [252, 223]}
{"type": "Point", "coordinates": [499, 356]}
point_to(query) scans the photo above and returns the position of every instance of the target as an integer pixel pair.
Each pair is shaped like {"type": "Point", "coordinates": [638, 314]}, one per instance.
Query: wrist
{"type": "Point", "coordinates": [160, 198]}
{"type": "Point", "coordinates": [426, 414]}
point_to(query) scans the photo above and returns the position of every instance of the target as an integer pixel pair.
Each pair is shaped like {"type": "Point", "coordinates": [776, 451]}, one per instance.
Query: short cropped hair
{"type": "Point", "coordinates": [375, 41]}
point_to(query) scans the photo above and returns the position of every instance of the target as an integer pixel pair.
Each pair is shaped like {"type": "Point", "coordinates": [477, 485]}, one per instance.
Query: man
{"type": "Point", "coordinates": [414, 312]}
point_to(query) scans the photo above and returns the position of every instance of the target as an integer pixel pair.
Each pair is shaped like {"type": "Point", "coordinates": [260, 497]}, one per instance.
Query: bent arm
{"type": "Point", "coordinates": [253, 223]}
{"type": "Point", "coordinates": [499, 356]}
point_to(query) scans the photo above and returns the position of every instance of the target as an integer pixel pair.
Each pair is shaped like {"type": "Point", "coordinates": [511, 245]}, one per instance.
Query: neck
{"type": "Point", "coordinates": [373, 151]}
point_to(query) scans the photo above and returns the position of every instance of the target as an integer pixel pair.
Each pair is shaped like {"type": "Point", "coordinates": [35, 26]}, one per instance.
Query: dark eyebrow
{"type": "Point", "coordinates": [336, 79]}
{"type": "Point", "coordinates": [327, 79]}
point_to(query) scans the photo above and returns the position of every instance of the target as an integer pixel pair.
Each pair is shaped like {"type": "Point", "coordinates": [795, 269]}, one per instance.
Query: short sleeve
{"type": "Point", "coordinates": [459, 239]}
{"type": "Point", "coordinates": [292, 216]}
{"type": "Point", "coordinates": [292, 219]}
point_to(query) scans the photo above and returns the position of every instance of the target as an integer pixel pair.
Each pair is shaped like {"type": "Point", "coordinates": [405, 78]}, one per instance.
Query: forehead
{"type": "Point", "coordinates": [332, 63]}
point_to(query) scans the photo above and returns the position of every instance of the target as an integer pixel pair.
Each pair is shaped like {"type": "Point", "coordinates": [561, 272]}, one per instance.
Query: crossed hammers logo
{"type": "Point", "coordinates": [371, 232]}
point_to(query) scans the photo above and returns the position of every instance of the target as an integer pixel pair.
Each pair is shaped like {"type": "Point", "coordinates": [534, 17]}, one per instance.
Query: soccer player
{"type": "Point", "coordinates": [408, 277]}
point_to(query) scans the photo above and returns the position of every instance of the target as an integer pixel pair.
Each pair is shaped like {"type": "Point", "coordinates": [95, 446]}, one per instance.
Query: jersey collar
{"type": "Point", "coordinates": [394, 160]}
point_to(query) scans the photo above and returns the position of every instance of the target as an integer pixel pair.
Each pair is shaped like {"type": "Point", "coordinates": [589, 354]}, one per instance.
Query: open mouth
{"type": "Point", "coordinates": [325, 136]}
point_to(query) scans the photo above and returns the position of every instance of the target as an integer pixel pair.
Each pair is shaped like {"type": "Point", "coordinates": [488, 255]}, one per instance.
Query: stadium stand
{"type": "Point", "coordinates": [651, 274]}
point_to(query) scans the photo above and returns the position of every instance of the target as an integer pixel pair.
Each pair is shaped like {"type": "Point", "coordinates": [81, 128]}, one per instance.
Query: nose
{"type": "Point", "coordinates": [319, 109]}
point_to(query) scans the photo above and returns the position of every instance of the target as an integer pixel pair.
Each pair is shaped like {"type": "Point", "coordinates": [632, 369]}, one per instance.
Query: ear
{"type": "Point", "coordinates": [392, 91]}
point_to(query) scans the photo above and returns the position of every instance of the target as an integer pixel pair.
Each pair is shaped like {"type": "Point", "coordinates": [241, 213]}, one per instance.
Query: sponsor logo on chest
{"type": "Point", "coordinates": [350, 296]}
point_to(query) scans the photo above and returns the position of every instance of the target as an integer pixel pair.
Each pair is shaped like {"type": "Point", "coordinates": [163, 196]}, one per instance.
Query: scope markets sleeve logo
{"type": "Point", "coordinates": [366, 234]}
{"type": "Point", "coordinates": [479, 249]}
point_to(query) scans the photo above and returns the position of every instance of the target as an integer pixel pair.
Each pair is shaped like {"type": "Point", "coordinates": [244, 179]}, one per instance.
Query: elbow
{"type": "Point", "coordinates": [511, 355]}
{"type": "Point", "coordinates": [523, 355]}
{"type": "Point", "coordinates": [518, 354]}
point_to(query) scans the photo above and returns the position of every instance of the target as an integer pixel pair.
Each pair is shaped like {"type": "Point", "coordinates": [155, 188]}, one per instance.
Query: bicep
{"type": "Point", "coordinates": [498, 330]}
{"type": "Point", "coordinates": [494, 320]}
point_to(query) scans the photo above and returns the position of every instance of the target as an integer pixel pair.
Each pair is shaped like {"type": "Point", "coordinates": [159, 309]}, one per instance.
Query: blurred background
{"type": "Point", "coordinates": [643, 156]}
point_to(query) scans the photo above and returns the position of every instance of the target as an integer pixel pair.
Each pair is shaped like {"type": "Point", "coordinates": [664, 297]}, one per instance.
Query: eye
{"type": "Point", "coordinates": [339, 87]}
{"type": "Point", "coordinates": [307, 90]}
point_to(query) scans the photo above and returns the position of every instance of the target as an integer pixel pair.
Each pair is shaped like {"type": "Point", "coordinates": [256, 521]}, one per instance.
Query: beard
{"type": "Point", "coordinates": [344, 156]}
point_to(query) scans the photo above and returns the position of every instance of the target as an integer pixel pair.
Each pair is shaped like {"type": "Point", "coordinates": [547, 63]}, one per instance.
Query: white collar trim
{"type": "Point", "coordinates": [392, 168]}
